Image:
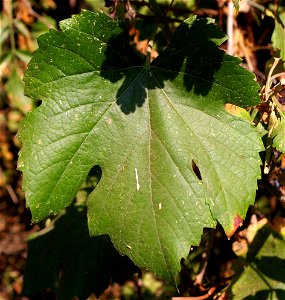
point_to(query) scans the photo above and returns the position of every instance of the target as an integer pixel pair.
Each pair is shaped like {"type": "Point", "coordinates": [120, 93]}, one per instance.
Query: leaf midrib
{"type": "Point", "coordinates": [198, 139]}
{"type": "Point", "coordinates": [91, 130]}
{"type": "Point", "coordinates": [168, 267]}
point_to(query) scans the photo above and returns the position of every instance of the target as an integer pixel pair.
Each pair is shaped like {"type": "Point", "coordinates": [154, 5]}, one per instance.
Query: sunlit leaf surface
{"type": "Point", "coordinates": [173, 160]}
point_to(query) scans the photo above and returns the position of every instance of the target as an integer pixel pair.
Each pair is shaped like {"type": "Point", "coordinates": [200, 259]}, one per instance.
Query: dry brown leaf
{"type": "Point", "coordinates": [23, 13]}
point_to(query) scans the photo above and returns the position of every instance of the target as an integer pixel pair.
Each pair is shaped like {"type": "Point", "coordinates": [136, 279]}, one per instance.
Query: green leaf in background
{"type": "Point", "coordinates": [278, 134]}
{"type": "Point", "coordinates": [261, 263]}
{"type": "Point", "coordinates": [15, 90]}
{"type": "Point", "coordinates": [173, 160]}
{"type": "Point", "coordinates": [236, 5]}
{"type": "Point", "coordinates": [64, 259]}
{"type": "Point", "coordinates": [278, 36]}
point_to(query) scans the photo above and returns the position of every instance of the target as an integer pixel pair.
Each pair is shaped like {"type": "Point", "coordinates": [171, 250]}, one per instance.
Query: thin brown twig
{"type": "Point", "coordinates": [160, 19]}
{"type": "Point", "coordinates": [199, 277]}
{"type": "Point", "coordinates": [9, 188]}
{"type": "Point", "coordinates": [35, 14]}
{"type": "Point", "coordinates": [202, 297]}
{"type": "Point", "coordinates": [246, 52]}
{"type": "Point", "coordinates": [257, 48]}
{"type": "Point", "coordinates": [230, 28]}
{"type": "Point", "coordinates": [12, 193]}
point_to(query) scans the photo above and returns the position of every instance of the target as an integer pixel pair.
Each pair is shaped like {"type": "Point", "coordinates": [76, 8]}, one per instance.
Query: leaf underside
{"type": "Point", "coordinates": [173, 160]}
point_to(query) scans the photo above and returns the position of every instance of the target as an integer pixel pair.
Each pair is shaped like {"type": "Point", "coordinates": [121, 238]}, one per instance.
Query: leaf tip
{"type": "Point", "coordinates": [238, 221]}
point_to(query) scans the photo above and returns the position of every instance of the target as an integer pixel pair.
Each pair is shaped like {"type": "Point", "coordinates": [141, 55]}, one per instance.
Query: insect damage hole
{"type": "Point", "coordinates": [92, 179]}
{"type": "Point", "coordinates": [196, 170]}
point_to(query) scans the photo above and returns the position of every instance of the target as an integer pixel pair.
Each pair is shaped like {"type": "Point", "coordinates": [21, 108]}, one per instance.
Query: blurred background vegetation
{"type": "Point", "coordinates": [256, 35]}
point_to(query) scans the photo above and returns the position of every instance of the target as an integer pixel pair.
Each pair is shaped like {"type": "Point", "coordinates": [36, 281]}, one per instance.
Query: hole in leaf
{"type": "Point", "coordinates": [96, 171]}
{"type": "Point", "coordinates": [92, 179]}
{"type": "Point", "coordinates": [37, 103]}
{"type": "Point", "coordinates": [196, 170]}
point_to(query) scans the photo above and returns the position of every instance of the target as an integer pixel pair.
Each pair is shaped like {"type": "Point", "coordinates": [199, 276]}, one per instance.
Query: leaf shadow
{"type": "Point", "coordinates": [265, 267]}
{"type": "Point", "coordinates": [192, 57]}
{"type": "Point", "coordinates": [267, 294]}
{"type": "Point", "coordinates": [63, 258]}
{"type": "Point", "coordinates": [268, 266]}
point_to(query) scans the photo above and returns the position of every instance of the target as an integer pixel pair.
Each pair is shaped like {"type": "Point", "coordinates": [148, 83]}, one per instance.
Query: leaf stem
{"type": "Point", "coordinates": [148, 55]}
{"type": "Point", "coordinates": [160, 14]}
{"type": "Point", "coordinates": [269, 80]}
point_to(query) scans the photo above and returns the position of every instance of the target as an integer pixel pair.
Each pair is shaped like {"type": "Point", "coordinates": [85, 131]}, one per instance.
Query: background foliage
{"type": "Point", "coordinates": [257, 37]}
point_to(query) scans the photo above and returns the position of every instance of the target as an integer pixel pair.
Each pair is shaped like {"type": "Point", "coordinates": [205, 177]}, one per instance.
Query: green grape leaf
{"type": "Point", "coordinates": [15, 90]}
{"type": "Point", "coordinates": [173, 160]}
{"type": "Point", "coordinates": [261, 262]}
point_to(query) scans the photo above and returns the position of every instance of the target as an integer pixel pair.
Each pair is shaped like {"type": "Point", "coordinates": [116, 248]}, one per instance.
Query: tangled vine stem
{"type": "Point", "coordinates": [269, 79]}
